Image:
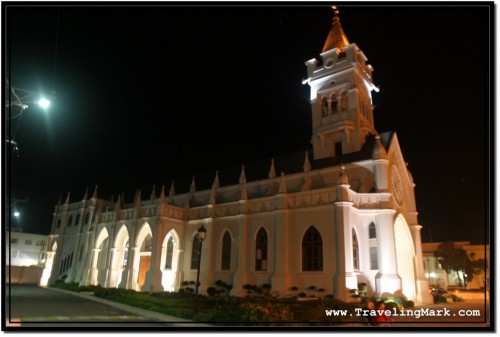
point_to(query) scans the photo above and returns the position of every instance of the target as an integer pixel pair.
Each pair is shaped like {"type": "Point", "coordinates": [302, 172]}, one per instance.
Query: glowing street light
{"type": "Point", "coordinates": [43, 103]}
{"type": "Point", "coordinates": [202, 232]}
{"type": "Point", "coordinates": [17, 214]}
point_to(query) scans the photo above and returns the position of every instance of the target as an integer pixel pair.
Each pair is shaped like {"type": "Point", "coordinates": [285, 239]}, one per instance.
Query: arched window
{"type": "Point", "coordinates": [226, 252]}
{"type": "Point", "coordinates": [170, 253]}
{"type": "Point", "coordinates": [312, 250]}
{"type": "Point", "coordinates": [195, 253]}
{"type": "Point", "coordinates": [261, 250]}
{"type": "Point", "coordinates": [147, 244]}
{"type": "Point", "coordinates": [58, 223]}
{"type": "Point", "coordinates": [70, 221]}
{"type": "Point", "coordinates": [324, 107]}
{"type": "Point", "coordinates": [372, 236]}
{"type": "Point", "coordinates": [344, 103]}
{"type": "Point", "coordinates": [334, 104]}
{"type": "Point", "coordinates": [355, 250]}
{"type": "Point", "coordinates": [87, 215]}
{"type": "Point", "coordinates": [77, 220]}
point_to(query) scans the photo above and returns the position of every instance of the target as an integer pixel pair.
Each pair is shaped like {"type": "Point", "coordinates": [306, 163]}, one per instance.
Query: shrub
{"type": "Point", "coordinates": [266, 312]}
{"type": "Point", "coordinates": [400, 300]}
{"type": "Point", "coordinates": [439, 299]}
{"type": "Point", "coordinates": [409, 304]}
{"type": "Point", "coordinates": [211, 291]}
{"type": "Point", "coordinates": [392, 306]}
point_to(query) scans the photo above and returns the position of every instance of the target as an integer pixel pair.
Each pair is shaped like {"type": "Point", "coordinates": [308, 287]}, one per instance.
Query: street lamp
{"type": "Point", "coordinates": [202, 232]}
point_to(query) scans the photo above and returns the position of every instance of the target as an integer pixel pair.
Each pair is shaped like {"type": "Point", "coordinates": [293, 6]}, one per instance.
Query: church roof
{"type": "Point", "coordinates": [259, 170]}
{"type": "Point", "coordinates": [336, 37]}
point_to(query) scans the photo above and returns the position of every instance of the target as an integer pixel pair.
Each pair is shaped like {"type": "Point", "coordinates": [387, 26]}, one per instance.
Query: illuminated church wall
{"type": "Point", "coordinates": [333, 223]}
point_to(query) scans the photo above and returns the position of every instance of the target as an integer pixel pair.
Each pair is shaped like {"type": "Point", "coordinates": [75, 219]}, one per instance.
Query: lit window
{"type": "Point", "coordinates": [355, 250]}
{"type": "Point", "coordinates": [195, 253]}
{"type": "Point", "coordinates": [170, 253]}
{"type": "Point", "coordinates": [372, 236]}
{"type": "Point", "coordinates": [125, 254]}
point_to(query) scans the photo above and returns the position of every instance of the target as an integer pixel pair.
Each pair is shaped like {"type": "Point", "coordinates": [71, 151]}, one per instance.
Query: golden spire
{"type": "Point", "coordinates": [336, 37]}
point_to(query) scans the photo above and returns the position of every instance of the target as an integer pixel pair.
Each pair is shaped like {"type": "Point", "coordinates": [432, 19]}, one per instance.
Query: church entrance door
{"type": "Point", "coordinates": [144, 264]}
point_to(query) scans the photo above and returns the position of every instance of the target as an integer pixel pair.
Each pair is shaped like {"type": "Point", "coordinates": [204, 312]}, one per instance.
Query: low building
{"type": "Point", "coordinates": [439, 278]}
{"type": "Point", "coordinates": [25, 249]}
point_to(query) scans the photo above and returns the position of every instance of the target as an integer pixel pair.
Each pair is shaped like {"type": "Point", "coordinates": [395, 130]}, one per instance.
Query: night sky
{"type": "Point", "coordinates": [147, 95]}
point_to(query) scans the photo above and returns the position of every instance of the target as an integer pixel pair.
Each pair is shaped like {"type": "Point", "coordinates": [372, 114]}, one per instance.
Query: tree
{"type": "Point", "coordinates": [455, 259]}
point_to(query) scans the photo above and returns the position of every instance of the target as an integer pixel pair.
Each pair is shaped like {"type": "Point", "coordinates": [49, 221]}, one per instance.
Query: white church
{"type": "Point", "coordinates": [341, 215]}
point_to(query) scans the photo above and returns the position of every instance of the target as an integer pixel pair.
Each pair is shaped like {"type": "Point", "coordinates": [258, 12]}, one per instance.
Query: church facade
{"type": "Point", "coordinates": [342, 215]}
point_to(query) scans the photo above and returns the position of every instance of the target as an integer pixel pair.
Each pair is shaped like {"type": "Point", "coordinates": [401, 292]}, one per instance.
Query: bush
{"type": "Point", "coordinates": [439, 299]}
{"type": "Point", "coordinates": [409, 304]}
{"type": "Point", "coordinates": [266, 312]}
{"type": "Point", "coordinates": [400, 300]}
{"type": "Point", "coordinates": [66, 286]}
{"type": "Point", "coordinates": [392, 306]}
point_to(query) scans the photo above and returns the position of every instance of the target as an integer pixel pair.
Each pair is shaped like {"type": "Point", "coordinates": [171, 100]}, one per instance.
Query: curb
{"type": "Point", "coordinates": [154, 316]}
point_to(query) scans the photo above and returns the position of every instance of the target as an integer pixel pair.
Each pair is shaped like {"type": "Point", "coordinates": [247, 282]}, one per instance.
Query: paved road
{"type": "Point", "coordinates": [44, 307]}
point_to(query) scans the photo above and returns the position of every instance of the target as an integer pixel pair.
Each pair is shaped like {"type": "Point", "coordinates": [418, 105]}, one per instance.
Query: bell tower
{"type": "Point", "coordinates": [341, 84]}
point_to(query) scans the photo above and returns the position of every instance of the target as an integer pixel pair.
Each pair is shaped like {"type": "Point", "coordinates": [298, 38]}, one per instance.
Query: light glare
{"type": "Point", "coordinates": [44, 103]}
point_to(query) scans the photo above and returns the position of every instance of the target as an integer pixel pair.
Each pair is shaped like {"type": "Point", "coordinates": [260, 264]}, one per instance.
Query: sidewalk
{"type": "Point", "coordinates": [153, 316]}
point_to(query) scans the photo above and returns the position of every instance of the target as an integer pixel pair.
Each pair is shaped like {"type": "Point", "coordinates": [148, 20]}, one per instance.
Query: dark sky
{"type": "Point", "coordinates": [145, 95]}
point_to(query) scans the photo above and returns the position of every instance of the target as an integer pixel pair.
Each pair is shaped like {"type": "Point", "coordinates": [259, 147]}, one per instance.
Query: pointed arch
{"type": "Point", "coordinates": [355, 250]}
{"type": "Point", "coordinates": [70, 221]}
{"type": "Point", "coordinates": [142, 260]}
{"type": "Point", "coordinates": [405, 256]}
{"type": "Point", "coordinates": [261, 244]}
{"type": "Point", "coordinates": [226, 250]}
{"type": "Point", "coordinates": [312, 250]}
{"type": "Point", "coordinates": [102, 244]}
{"type": "Point", "coordinates": [195, 252]}
{"type": "Point", "coordinates": [122, 246]}
{"type": "Point", "coordinates": [169, 261]}
{"type": "Point", "coordinates": [170, 246]}
{"type": "Point", "coordinates": [103, 234]}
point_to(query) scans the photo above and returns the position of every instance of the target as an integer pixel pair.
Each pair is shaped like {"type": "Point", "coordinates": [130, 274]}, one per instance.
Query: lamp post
{"type": "Point", "coordinates": [202, 232]}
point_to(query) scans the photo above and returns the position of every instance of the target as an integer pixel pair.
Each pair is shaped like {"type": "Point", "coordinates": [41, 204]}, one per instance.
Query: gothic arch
{"type": "Point", "coordinates": [226, 239]}
{"type": "Point", "coordinates": [356, 261]}
{"type": "Point", "coordinates": [312, 250]}
{"type": "Point", "coordinates": [141, 260]}
{"type": "Point", "coordinates": [101, 263]}
{"type": "Point", "coordinates": [103, 234]}
{"type": "Point", "coordinates": [405, 257]}
{"type": "Point", "coordinates": [261, 249]}
{"type": "Point", "coordinates": [122, 251]}
{"type": "Point", "coordinates": [169, 260]}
